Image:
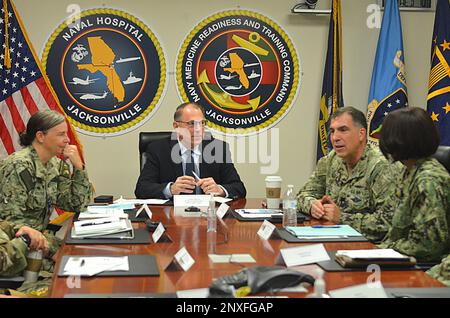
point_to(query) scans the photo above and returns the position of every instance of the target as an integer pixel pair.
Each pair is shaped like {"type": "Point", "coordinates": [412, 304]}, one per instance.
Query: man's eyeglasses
{"type": "Point", "coordinates": [193, 123]}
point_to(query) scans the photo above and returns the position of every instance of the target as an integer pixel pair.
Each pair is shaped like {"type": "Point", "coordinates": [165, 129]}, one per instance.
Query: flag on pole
{"type": "Point", "coordinates": [388, 90]}
{"type": "Point", "coordinates": [332, 98]}
{"type": "Point", "coordinates": [24, 87]}
{"type": "Point", "coordinates": [439, 85]}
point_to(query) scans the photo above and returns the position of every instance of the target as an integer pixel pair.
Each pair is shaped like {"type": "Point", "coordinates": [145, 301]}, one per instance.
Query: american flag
{"type": "Point", "coordinates": [24, 87]}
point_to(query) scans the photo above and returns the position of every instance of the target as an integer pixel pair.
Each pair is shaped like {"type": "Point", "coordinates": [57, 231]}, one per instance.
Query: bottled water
{"type": "Point", "coordinates": [320, 290]}
{"type": "Point", "coordinates": [289, 207]}
{"type": "Point", "coordinates": [212, 219]}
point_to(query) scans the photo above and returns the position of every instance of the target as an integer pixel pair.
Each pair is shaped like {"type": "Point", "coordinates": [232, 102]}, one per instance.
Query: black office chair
{"type": "Point", "coordinates": [443, 156]}
{"type": "Point", "coordinates": [146, 138]}
{"type": "Point", "coordinates": [11, 282]}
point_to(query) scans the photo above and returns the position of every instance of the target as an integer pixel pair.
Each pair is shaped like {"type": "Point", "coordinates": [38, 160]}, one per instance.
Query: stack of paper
{"type": "Point", "coordinates": [102, 211]}
{"type": "Point", "coordinates": [100, 227]}
{"type": "Point", "coordinates": [374, 254]}
{"type": "Point", "coordinates": [382, 257]}
{"type": "Point", "coordinates": [140, 201]}
{"type": "Point", "coordinates": [89, 266]}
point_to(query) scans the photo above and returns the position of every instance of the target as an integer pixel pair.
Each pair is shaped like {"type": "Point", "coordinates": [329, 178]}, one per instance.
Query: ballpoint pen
{"type": "Point", "coordinates": [96, 223]}
{"type": "Point", "coordinates": [325, 226]}
{"type": "Point", "coordinates": [196, 176]}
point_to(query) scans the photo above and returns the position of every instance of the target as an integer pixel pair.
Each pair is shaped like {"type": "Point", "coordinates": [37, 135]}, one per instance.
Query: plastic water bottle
{"type": "Point", "coordinates": [289, 207]}
{"type": "Point", "coordinates": [212, 219]}
{"type": "Point", "coordinates": [319, 286]}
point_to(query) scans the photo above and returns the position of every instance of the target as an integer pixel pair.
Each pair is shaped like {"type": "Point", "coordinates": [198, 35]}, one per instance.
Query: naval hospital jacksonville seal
{"type": "Point", "coordinates": [108, 71]}
{"type": "Point", "coordinates": [243, 68]}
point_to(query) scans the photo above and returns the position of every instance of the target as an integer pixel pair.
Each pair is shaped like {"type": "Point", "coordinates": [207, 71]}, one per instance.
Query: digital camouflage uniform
{"type": "Point", "coordinates": [29, 191]}
{"type": "Point", "coordinates": [365, 197]}
{"type": "Point", "coordinates": [13, 251]}
{"type": "Point", "coordinates": [420, 226]}
{"type": "Point", "coordinates": [441, 272]}
{"type": "Point", "coordinates": [13, 261]}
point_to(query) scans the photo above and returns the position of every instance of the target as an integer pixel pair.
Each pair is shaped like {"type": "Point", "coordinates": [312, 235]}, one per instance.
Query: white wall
{"type": "Point", "coordinates": [113, 162]}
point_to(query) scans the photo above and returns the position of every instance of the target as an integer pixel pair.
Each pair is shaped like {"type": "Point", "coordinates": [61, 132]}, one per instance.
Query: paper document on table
{"type": "Point", "coordinates": [140, 201]}
{"type": "Point", "coordinates": [372, 254]}
{"type": "Point", "coordinates": [98, 211]}
{"type": "Point", "coordinates": [187, 200]}
{"type": "Point", "coordinates": [231, 258]}
{"type": "Point", "coordinates": [257, 213]}
{"type": "Point", "coordinates": [100, 227]}
{"type": "Point", "coordinates": [89, 266]}
{"type": "Point", "coordinates": [321, 231]}
{"type": "Point", "coordinates": [369, 290]}
{"type": "Point", "coordinates": [193, 293]}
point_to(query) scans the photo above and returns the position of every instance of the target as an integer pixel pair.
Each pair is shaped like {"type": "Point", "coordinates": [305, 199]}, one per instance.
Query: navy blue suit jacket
{"type": "Point", "coordinates": [164, 165]}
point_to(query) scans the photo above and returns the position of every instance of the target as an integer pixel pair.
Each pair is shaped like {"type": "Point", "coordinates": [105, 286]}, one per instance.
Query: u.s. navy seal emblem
{"type": "Point", "coordinates": [243, 68]}
{"type": "Point", "coordinates": [108, 71]}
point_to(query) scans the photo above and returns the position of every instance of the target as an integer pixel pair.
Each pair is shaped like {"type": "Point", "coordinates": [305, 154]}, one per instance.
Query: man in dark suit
{"type": "Point", "coordinates": [189, 163]}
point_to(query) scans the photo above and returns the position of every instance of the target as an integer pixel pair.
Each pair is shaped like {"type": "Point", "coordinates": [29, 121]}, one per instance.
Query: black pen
{"type": "Point", "coordinates": [93, 223]}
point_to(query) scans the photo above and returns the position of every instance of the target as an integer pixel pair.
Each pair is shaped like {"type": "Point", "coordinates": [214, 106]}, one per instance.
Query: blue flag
{"type": "Point", "coordinates": [439, 85]}
{"type": "Point", "coordinates": [332, 81]}
{"type": "Point", "coordinates": [388, 87]}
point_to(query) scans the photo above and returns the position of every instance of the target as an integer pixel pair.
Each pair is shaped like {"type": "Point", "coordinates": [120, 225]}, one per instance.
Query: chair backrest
{"type": "Point", "coordinates": [146, 138]}
{"type": "Point", "coordinates": [443, 156]}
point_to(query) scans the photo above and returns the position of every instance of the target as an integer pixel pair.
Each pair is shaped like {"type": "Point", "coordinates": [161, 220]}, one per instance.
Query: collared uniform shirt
{"type": "Point", "coordinates": [366, 196]}
{"type": "Point", "coordinates": [420, 226]}
{"type": "Point", "coordinates": [29, 190]}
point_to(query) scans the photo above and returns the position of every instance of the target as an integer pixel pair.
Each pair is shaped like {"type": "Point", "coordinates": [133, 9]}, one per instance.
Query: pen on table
{"type": "Point", "coordinates": [96, 223]}
{"type": "Point", "coordinates": [325, 226]}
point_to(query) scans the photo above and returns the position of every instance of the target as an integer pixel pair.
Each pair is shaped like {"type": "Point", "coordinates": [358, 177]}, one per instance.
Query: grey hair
{"type": "Point", "coordinates": [40, 121]}
{"type": "Point", "coordinates": [358, 117]}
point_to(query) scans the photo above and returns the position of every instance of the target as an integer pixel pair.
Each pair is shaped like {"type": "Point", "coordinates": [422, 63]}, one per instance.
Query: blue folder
{"type": "Point", "coordinates": [318, 231]}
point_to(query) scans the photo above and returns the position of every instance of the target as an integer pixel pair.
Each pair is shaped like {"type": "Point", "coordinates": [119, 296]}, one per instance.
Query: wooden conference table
{"type": "Point", "coordinates": [232, 237]}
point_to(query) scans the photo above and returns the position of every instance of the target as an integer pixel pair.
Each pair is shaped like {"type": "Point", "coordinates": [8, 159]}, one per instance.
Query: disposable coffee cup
{"type": "Point", "coordinates": [34, 264]}
{"type": "Point", "coordinates": [273, 192]}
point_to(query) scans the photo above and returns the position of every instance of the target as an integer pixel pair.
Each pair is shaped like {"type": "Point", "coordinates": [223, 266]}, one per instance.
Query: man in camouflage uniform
{"type": "Point", "coordinates": [354, 183]}
{"type": "Point", "coordinates": [13, 261]}
{"type": "Point", "coordinates": [441, 272]}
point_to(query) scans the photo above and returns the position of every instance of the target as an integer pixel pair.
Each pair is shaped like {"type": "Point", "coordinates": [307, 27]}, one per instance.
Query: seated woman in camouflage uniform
{"type": "Point", "coordinates": [420, 226]}
{"type": "Point", "coordinates": [34, 180]}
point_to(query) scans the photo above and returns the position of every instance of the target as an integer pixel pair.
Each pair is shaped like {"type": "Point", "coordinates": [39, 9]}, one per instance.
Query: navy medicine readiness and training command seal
{"type": "Point", "coordinates": [243, 68]}
{"type": "Point", "coordinates": [108, 71]}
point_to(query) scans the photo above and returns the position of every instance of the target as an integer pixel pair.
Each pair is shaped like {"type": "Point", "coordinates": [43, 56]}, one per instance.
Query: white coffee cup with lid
{"type": "Point", "coordinates": [273, 191]}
